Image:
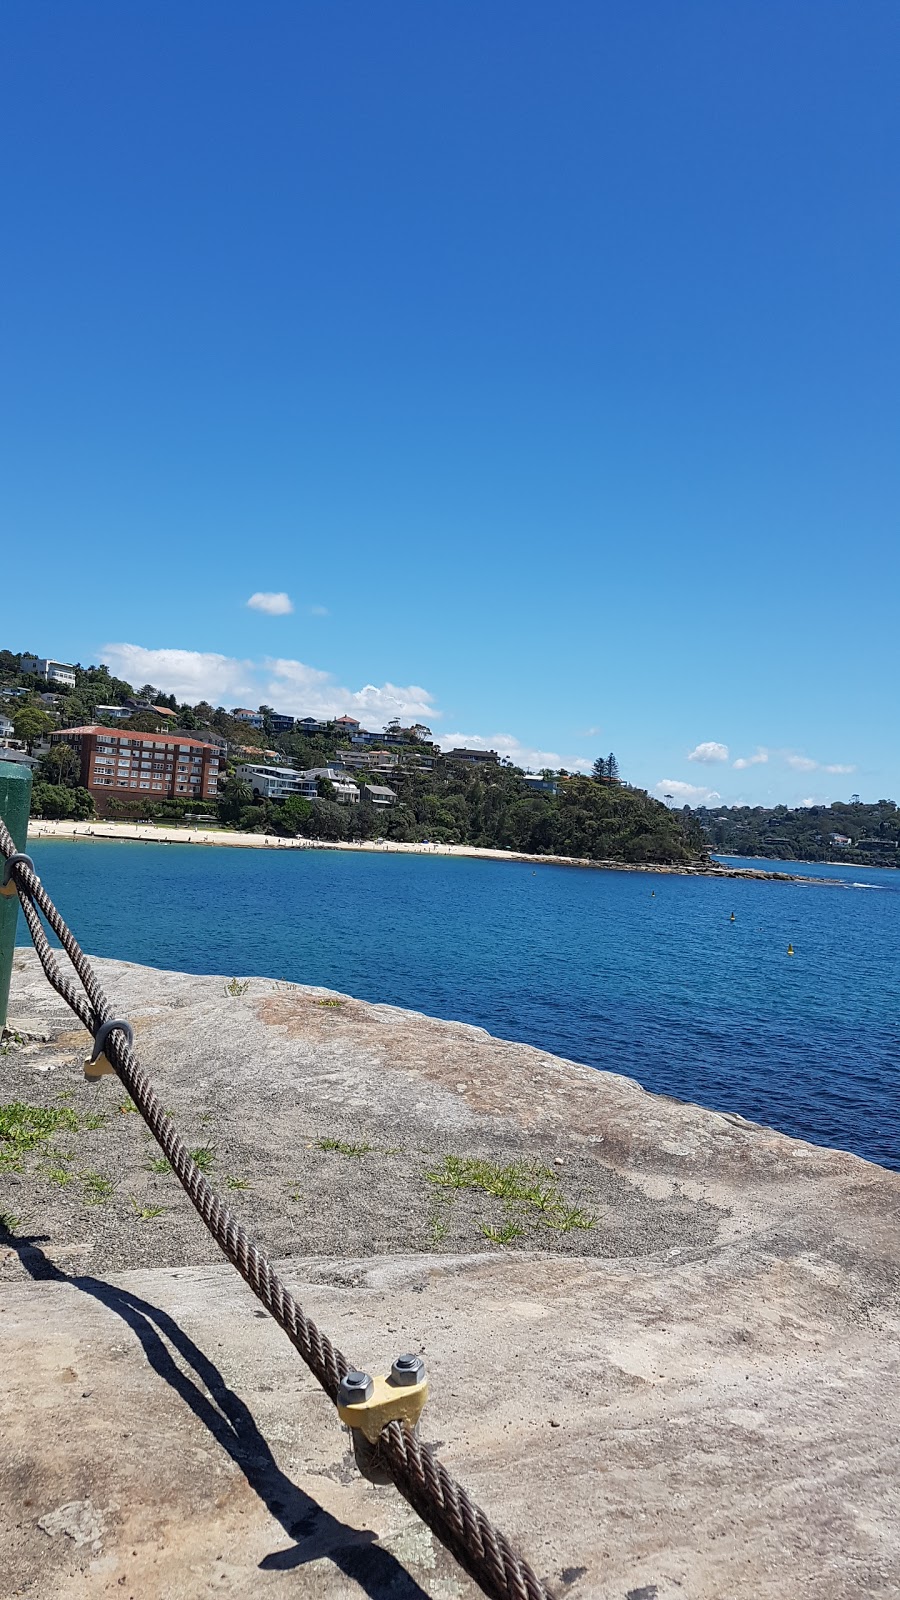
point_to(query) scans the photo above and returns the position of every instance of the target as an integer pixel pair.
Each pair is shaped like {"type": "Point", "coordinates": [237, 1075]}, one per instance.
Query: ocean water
{"type": "Point", "coordinates": [642, 974]}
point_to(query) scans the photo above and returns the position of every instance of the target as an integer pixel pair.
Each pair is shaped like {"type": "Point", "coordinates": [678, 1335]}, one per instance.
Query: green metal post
{"type": "Point", "coordinates": [15, 804]}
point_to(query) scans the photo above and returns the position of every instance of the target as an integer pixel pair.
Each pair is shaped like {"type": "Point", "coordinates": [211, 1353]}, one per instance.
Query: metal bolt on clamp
{"type": "Point", "coordinates": [366, 1405]}
{"type": "Point", "coordinates": [8, 885]}
{"type": "Point", "coordinates": [97, 1065]}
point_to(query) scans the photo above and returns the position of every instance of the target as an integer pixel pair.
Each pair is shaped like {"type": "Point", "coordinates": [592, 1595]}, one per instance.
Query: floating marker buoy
{"type": "Point", "coordinates": [732, 917]}
{"type": "Point", "coordinates": [652, 894]}
{"type": "Point", "coordinates": [790, 949]}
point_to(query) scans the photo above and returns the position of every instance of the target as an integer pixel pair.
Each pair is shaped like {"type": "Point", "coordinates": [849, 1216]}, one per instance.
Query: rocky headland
{"type": "Point", "coordinates": [662, 1341]}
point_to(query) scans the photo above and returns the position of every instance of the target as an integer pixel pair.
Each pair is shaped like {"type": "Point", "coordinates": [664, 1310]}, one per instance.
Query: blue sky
{"type": "Point", "coordinates": [546, 357]}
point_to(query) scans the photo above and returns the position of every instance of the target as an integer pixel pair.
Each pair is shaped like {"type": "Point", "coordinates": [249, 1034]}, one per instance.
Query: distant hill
{"type": "Point", "coordinates": [844, 831]}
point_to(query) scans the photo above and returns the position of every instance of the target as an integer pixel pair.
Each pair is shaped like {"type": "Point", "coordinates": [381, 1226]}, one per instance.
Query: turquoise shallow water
{"type": "Point", "coordinates": [640, 974]}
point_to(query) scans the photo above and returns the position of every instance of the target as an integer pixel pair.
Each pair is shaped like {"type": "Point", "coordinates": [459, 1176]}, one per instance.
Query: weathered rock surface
{"type": "Point", "coordinates": [697, 1395]}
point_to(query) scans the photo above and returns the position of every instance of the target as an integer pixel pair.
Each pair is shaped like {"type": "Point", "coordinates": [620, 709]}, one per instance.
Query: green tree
{"type": "Point", "coordinates": [60, 765]}
{"type": "Point", "coordinates": [234, 797]}
{"type": "Point", "coordinates": [331, 820]}
{"type": "Point", "coordinates": [254, 819]}
{"type": "Point", "coordinates": [29, 724]}
{"type": "Point", "coordinates": [297, 813]}
{"type": "Point", "coordinates": [82, 804]}
{"type": "Point", "coordinates": [58, 802]}
{"type": "Point", "coordinates": [598, 770]}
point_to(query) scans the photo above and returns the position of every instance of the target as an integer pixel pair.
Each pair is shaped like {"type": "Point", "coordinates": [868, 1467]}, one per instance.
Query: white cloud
{"type": "Point", "coordinates": [294, 686]}
{"type": "Point", "coordinates": [708, 752]}
{"type": "Point", "coordinates": [806, 764]}
{"type": "Point", "coordinates": [274, 605]}
{"type": "Point", "coordinates": [318, 611]}
{"type": "Point", "coordinates": [791, 758]}
{"type": "Point", "coordinates": [522, 755]}
{"type": "Point", "coordinates": [291, 686]}
{"type": "Point", "coordinates": [188, 674]}
{"type": "Point", "coordinates": [690, 794]}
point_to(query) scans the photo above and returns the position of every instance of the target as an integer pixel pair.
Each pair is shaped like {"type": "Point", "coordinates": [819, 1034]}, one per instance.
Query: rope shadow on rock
{"type": "Point", "coordinates": [316, 1533]}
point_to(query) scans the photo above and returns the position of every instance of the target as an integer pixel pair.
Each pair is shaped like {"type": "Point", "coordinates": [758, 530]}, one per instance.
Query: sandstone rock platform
{"type": "Point", "coordinates": [691, 1390]}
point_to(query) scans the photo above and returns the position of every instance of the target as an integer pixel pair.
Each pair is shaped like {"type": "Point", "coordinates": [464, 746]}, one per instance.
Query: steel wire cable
{"type": "Point", "coordinates": [460, 1524]}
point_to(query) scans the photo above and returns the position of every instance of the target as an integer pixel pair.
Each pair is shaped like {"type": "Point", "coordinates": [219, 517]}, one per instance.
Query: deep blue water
{"type": "Point", "coordinates": [641, 974]}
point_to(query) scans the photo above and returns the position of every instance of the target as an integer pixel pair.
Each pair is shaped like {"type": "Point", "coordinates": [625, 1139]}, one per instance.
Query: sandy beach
{"type": "Point", "coordinates": [146, 833]}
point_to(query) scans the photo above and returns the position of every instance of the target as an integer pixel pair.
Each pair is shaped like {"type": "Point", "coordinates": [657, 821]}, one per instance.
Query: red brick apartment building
{"type": "Point", "coordinates": [142, 766]}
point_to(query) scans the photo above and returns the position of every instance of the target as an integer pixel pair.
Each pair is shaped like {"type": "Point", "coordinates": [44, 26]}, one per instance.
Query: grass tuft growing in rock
{"type": "Point", "coordinates": [343, 1148]}
{"type": "Point", "coordinates": [530, 1185]}
{"type": "Point", "coordinates": [504, 1235]}
{"type": "Point", "coordinates": [513, 1181]}
{"type": "Point", "coordinates": [22, 1127]}
{"type": "Point", "coordinates": [97, 1188]}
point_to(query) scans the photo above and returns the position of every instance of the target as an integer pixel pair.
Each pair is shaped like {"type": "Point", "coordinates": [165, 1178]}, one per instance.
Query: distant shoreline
{"type": "Point", "coordinates": [39, 828]}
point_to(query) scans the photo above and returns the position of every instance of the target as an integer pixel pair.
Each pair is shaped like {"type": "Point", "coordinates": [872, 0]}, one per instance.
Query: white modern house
{"type": "Point", "coordinates": [276, 783]}
{"type": "Point", "coordinates": [330, 774]}
{"type": "Point", "coordinates": [51, 671]}
{"type": "Point", "coordinates": [107, 714]}
{"type": "Point", "coordinates": [345, 791]}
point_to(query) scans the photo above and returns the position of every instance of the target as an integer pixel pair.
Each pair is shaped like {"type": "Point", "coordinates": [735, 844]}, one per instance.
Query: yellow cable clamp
{"type": "Point", "coordinates": [366, 1405]}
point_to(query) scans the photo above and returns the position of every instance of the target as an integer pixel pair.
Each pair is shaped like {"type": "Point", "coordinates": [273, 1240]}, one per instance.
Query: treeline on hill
{"type": "Point", "coordinates": [843, 831]}
{"type": "Point", "coordinates": [489, 805]}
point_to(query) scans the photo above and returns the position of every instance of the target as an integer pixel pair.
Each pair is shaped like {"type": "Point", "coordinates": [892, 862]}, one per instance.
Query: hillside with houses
{"type": "Point", "coordinates": [98, 746]}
